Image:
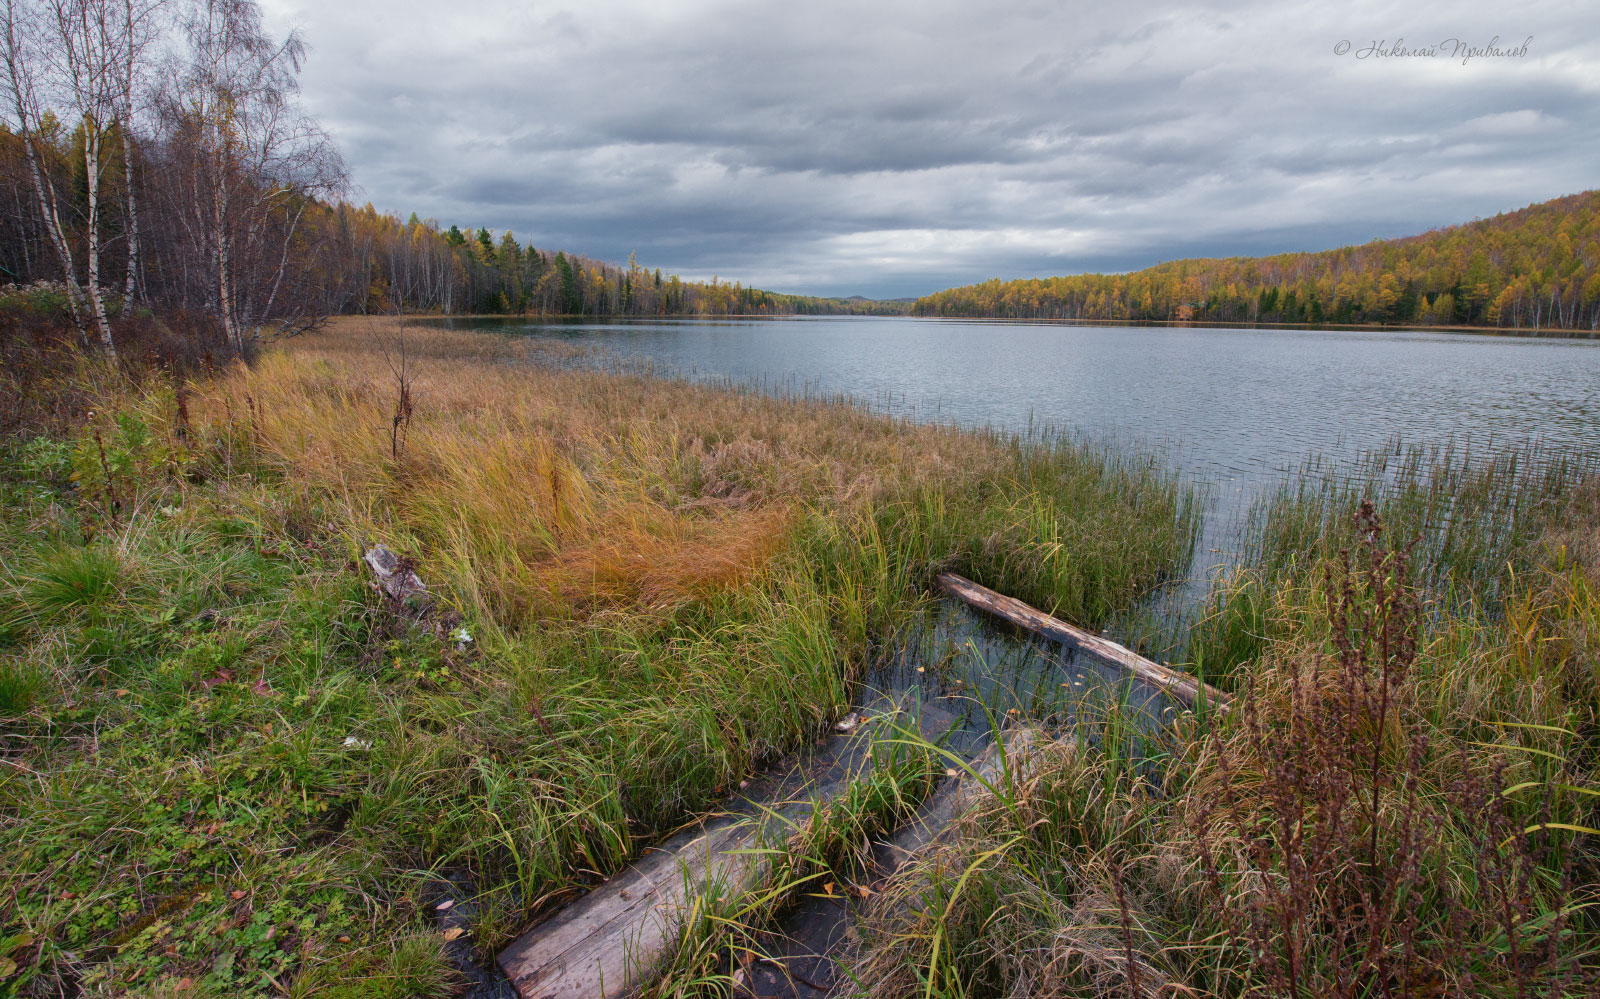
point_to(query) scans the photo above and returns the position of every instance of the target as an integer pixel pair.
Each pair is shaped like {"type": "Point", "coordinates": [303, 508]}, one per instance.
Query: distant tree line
{"type": "Point", "coordinates": [1535, 268]}
{"type": "Point", "coordinates": [155, 157]}
{"type": "Point", "coordinates": [386, 265]}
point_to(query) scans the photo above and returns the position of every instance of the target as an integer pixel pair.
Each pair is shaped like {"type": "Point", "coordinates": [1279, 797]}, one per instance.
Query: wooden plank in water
{"type": "Point", "coordinates": [1184, 687]}
{"type": "Point", "coordinates": [804, 961]}
{"type": "Point", "coordinates": [609, 942]}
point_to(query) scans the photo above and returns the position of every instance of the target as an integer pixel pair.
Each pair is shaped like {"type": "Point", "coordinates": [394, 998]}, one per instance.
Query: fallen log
{"type": "Point", "coordinates": [610, 942]}
{"type": "Point", "coordinates": [1188, 689]}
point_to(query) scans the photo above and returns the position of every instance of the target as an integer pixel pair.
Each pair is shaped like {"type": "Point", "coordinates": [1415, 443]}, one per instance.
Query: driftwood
{"type": "Point", "coordinates": [611, 941]}
{"type": "Point", "coordinates": [956, 795]}
{"type": "Point", "coordinates": [1184, 687]}
{"type": "Point", "coordinates": [395, 578]}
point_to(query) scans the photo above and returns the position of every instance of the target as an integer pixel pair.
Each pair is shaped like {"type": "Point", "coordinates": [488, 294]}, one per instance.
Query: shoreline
{"type": "Point", "coordinates": [642, 592]}
{"type": "Point", "coordinates": [1532, 334]}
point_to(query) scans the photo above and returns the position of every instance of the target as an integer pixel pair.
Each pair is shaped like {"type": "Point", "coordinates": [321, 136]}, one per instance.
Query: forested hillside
{"type": "Point", "coordinates": [1535, 268]}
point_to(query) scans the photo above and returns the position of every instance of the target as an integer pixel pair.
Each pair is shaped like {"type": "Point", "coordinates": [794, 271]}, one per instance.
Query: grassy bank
{"type": "Point", "coordinates": [231, 767]}
{"type": "Point", "coordinates": [1403, 802]}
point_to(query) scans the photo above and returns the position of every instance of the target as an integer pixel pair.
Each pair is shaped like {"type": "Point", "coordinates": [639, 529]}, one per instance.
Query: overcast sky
{"type": "Point", "coordinates": [893, 149]}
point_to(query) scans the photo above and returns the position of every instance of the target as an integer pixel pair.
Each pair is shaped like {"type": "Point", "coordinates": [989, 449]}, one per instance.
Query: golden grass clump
{"type": "Point", "coordinates": [540, 493]}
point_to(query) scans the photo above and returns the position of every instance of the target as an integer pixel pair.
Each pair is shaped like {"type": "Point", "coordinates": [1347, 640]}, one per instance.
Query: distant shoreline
{"type": "Point", "coordinates": [1543, 333]}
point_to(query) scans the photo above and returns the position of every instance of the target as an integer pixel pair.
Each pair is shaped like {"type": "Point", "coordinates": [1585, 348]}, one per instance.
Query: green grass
{"type": "Point", "coordinates": [230, 769]}
{"type": "Point", "coordinates": [1477, 518]}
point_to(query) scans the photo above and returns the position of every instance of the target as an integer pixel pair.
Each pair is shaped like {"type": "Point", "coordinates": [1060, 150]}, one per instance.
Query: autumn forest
{"type": "Point", "coordinates": [1531, 269]}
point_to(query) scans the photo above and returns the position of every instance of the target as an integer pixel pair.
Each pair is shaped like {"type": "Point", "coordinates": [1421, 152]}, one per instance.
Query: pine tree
{"type": "Point", "coordinates": [570, 302]}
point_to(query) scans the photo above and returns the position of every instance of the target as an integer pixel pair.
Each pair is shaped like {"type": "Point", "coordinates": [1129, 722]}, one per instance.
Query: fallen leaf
{"type": "Point", "coordinates": [184, 985]}
{"type": "Point", "coordinates": [264, 689]}
{"type": "Point", "coordinates": [447, 903]}
{"type": "Point", "coordinates": [453, 932]}
{"type": "Point", "coordinates": [827, 889]}
{"type": "Point", "coordinates": [121, 691]}
{"type": "Point", "coordinates": [343, 939]}
{"type": "Point", "coordinates": [236, 895]}
{"type": "Point", "coordinates": [950, 771]}
{"type": "Point", "coordinates": [863, 891]}
{"type": "Point", "coordinates": [272, 931]}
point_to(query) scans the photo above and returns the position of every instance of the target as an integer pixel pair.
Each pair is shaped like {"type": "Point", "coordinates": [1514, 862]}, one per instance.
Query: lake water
{"type": "Point", "coordinates": [1235, 409]}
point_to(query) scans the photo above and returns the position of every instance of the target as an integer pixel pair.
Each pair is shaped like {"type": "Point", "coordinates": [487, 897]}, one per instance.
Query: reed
{"type": "Point", "coordinates": [1402, 803]}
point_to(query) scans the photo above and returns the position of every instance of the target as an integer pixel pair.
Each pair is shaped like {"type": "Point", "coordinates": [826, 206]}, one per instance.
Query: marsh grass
{"type": "Point", "coordinates": [1477, 517]}
{"type": "Point", "coordinates": [229, 766]}
{"type": "Point", "coordinates": [1403, 803]}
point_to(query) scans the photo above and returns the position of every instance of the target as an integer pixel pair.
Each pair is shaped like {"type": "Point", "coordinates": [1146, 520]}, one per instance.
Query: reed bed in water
{"type": "Point", "coordinates": [1476, 518]}
{"type": "Point", "coordinates": [231, 768]}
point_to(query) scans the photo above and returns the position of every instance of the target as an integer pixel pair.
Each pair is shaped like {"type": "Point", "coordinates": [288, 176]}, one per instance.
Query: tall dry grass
{"type": "Point", "coordinates": [542, 492]}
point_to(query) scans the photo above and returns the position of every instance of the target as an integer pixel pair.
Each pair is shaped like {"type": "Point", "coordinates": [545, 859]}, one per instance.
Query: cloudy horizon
{"type": "Point", "coordinates": [905, 148]}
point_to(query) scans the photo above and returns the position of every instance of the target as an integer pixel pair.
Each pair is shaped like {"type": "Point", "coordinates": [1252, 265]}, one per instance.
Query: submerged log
{"type": "Point", "coordinates": [1010, 756]}
{"type": "Point", "coordinates": [611, 941]}
{"type": "Point", "coordinates": [1184, 687]}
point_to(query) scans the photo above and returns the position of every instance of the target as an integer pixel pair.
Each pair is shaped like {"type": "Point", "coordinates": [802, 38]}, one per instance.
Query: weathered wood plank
{"type": "Point", "coordinates": [609, 942]}
{"type": "Point", "coordinates": [805, 960]}
{"type": "Point", "coordinates": [955, 795]}
{"type": "Point", "coordinates": [1186, 688]}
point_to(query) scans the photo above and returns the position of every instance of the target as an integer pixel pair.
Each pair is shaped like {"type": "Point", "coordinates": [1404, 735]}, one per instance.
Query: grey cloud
{"type": "Point", "coordinates": [894, 149]}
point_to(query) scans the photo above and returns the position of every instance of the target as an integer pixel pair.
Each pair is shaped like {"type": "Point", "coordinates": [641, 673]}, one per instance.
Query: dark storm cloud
{"type": "Point", "coordinates": [893, 149]}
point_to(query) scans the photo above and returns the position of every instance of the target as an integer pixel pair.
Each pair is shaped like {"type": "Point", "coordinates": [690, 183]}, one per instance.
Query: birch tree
{"type": "Point", "coordinates": [251, 163]}
{"type": "Point", "coordinates": [138, 27]}
{"type": "Point", "coordinates": [87, 52]}
{"type": "Point", "coordinates": [77, 60]}
{"type": "Point", "coordinates": [26, 50]}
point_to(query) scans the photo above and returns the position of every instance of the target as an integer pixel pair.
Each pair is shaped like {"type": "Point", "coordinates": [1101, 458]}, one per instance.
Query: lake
{"type": "Point", "coordinates": [1235, 409]}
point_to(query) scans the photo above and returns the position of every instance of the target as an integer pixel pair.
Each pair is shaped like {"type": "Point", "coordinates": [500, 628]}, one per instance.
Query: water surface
{"type": "Point", "coordinates": [1234, 409]}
